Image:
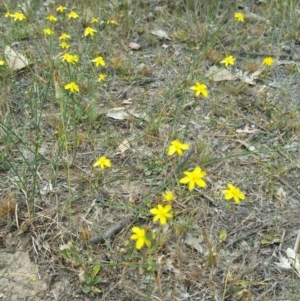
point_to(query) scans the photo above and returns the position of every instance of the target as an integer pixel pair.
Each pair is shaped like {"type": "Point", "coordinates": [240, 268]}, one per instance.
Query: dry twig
{"type": "Point", "coordinates": [110, 232]}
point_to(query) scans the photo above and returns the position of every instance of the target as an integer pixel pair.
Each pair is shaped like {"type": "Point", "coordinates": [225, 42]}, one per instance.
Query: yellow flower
{"type": "Point", "coordinates": [48, 31]}
{"type": "Point", "coordinates": [89, 31]}
{"type": "Point", "coordinates": [73, 15]}
{"type": "Point", "coordinates": [70, 58]}
{"type": "Point", "coordinates": [142, 237]}
{"type": "Point", "coordinates": [194, 177]}
{"type": "Point", "coordinates": [177, 147]}
{"type": "Point", "coordinates": [161, 213]}
{"type": "Point", "coordinates": [61, 8]}
{"type": "Point", "coordinates": [229, 60]}
{"type": "Point", "coordinates": [19, 17]}
{"type": "Point", "coordinates": [233, 193]}
{"type": "Point", "coordinates": [64, 45]}
{"type": "Point", "coordinates": [168, 196]}
{"type": "Point", "coordinates": [64, 36]}
{"type": "Point", "coordinates": [51, 18]}
{"type": "Point", "coordinates": [2, 63]}
{"type": "Point", "coordinates": [102, 162]}
{"type": "Point", "coordinates": [268, 61]}
{"type": "Point", "coordinates": [200, 89]}
{"type": "Point", "coordinates": [102, 77]}
{"type": "Point", "coordinates": [72, 87]}
{"type": "Point", "coordinates": [239, 17]}
{"type": "Point", "coordinates": [99, 61]}
{"type": "Point", "coordinates": [111, 22]}
{"type": "Point", "coordinates": [95, 20]}
{"type": "Point", "coordinates": [9, 15]}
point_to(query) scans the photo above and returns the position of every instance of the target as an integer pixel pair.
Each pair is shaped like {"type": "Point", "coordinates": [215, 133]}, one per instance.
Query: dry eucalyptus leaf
{"type": "Point", "coordinates": [48, 188]}
{"type": "Point", "coordinates": [119, 113]}
{"type": "Point", "coordinates": [217, 75]}
{"type": "Point", "coordinates": [291, 262]}
{"type": "Point", "coordinates": [15, 60]}
{"type": "Point", "coordinates": [81, 275]}
{"type": "Point", "coordinates": [123, 147]}
{"type": "Point", "coordinates": [247, 78]}
{"type": "Point", "coordinates": [168, 266]}
{"type": "Point", "coordinates": [161, 34]}
{"type": "Point", "coordinates": [247, 130]}
{"type": "Point", "coordinates": [127, 101]}
{"type": "Point", "coordinates": [194, 243]}
{"type": "Point", "coordinates": [134, 46]}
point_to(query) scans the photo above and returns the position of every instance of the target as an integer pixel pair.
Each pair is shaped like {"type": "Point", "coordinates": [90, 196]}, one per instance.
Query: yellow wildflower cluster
{"type": "Point", "coordinates": [162, 213]}
{"type": "Point", "coordinates": [64, 39]}
{"type": "Point", "coordinates": [70, 58]}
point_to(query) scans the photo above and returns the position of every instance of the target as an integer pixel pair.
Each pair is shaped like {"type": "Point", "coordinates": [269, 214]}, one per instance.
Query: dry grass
{"type": "Point", "coordinates": [52, 196]}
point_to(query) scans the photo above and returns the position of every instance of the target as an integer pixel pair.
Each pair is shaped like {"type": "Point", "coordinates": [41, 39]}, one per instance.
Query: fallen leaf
{"type": "Point", "coordinates": [15, 60]}
{"type": "Point", "coordinates": [246, 77]}
{"type": "Point", "coordinates": [127, 101]}
{"type": "Point", "coordinates": [294, 260]}
{"type": "Point", "coordinates": [123, 147]}
{"type": "Point", "coordinates": [216, 74]}
{"type": "Point", "coordinates": [280, 192]}
{"type": "Point", "coordinates": [161, 34]}
{"type": "Point", "coordinates": [194, 243]}
{"type": "Point", "coordinates": [134, 46]}
{"type": "Point", "coordinates": [244, 294]}
{"type": "Point", "coordinates": [47, 189]}
{"type": "Point", "coordinates": [289, 263]}
{"type": "Point", "coordinates": [118, 113]}
{"type": "Point", "coordinates": [81, 275]}
{"type": "Point", "coordinates": [247, 130]}
{"type": "Point", "coordinates": [168, 266]}
{"type": "Point", "coordinates": [283, 263]}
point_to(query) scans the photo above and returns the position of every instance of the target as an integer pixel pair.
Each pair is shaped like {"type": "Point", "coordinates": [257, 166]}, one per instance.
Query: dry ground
{"type": "Point", "coordinates": [51, 196]}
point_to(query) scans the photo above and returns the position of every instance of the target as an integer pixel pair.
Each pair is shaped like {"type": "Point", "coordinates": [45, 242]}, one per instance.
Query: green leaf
{"type": "Point", "coordinates": [96, 270]}
{"type": "Point", "coordinates": [96, 280]}
{"type": "Point", "coordinates": [222, 235]}
{"type": "Point", "coordinates": [86, 289]}
{"type": "Point", "coordinates": [270, 239]}
{"type": "Point", "coordinates": [87, 279]}
{"type": "Point", "coordinates": [96, 289]}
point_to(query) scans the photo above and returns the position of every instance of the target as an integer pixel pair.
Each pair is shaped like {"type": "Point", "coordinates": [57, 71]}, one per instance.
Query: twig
{"type": "Point", "coordinates": [211, 200]}
{"type": "Point", "coordinates": [250, 233]}
{"type": "Point", "coordinates": [184, 159]}
{"type": "Point", "coordinates": [110, 232]}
